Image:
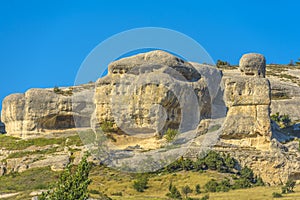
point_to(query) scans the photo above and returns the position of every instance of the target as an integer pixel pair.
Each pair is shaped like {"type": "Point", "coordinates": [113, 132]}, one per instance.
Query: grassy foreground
{"type": "Point", "coordinates": [112, 182]}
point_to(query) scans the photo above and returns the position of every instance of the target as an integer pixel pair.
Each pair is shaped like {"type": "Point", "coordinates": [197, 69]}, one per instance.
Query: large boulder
{"type": "Point", "coordinates": [253, 64]}
{"type": "Point", "coordinates": [151, 92]}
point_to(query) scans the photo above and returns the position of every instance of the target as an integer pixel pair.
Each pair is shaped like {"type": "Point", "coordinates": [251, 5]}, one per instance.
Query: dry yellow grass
{"type": "Point", "coordinates": [111, 182]}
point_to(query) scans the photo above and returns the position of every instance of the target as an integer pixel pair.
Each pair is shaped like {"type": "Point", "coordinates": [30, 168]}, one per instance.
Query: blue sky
{"type": "Point", "coordinates": [43, 43]}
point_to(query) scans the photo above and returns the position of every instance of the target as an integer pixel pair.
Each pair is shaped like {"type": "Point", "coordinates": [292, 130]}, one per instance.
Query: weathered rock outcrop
{"type": "Point", "coordinates": [247, 134]}
{"type": "Point", "coordinates": [149, 93]}
{"type": "Point", "coordinates": [152, 92]}
{"type": "Point", "coordinates": [248, 101]}
{"type": "Point", "coordinates": [39, 110]}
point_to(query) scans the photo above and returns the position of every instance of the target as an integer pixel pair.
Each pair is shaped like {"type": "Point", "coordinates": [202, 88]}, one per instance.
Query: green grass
{"type": "Point", "coordinates": [12, 143]}
{"type": "Point", "coordinates": [32, 179]}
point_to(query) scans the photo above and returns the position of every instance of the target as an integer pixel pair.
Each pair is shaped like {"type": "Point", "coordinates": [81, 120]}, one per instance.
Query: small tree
{"type": "Point", "coordinates": [174, 192]}
{"type": "Point", "coordinates": [197, 189]}
{"type": "Point", "coordinates": [186, 190]}
{"type": "Point", "coordinates": [70, 185]}
{"type": "Point", "coordinates": [171, 134]}
{"type": "Point", "coordinates": [141, 183]}
{"type": "Point", "coordinates": [211, 186]}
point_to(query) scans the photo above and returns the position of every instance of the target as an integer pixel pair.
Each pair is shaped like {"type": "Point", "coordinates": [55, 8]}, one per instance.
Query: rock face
{"type": "Point", "coordinates": [39, 110]}
{"type": "Point", "coordinates": [253, 64]}
{"type": "Point", "coordinates": [151, 92]}
{"type": "Point", "coordinates": [248, 101]}
{"type": "Point", "coordinates": [274, 166]}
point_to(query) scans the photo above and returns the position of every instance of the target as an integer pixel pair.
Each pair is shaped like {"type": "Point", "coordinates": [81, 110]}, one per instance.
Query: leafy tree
{"type": "Point", "coordinates": [242, 183]}
{"type": "Point", "coordinates": [211, 186]}
{"type": "Point", "coordinates": [229, 161]}
{"type": "Point", "coordinates": [224, 186]}
{"type": "Point", "coordinates": [70, 185]}
{"type": "Point", "coordinates": [174, 192]}
{"type": "Point", "coordinates": [247, 173]}
{"type": "Point", "coordinates": [259, 181]}
{"type": "Point", "coordinates": [141, 183]}
{"type": "Point", "coordinates": [187, 164]}
{"type": "Point", "coordinates": [186, 190]}
{"type": "Point", "coordinates": [197, 189]}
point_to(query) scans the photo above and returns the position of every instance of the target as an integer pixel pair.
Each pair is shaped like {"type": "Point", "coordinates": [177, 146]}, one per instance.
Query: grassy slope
{"type": "Point", "coordinates": [109, 182]}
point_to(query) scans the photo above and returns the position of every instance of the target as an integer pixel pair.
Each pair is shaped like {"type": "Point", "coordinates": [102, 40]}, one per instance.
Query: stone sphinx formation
{"type": "Point", "coordinates": [248, 100]}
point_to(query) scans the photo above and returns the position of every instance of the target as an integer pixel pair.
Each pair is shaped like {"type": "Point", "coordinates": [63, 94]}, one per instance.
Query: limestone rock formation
{"type": "Point", "coordinates": [253, 64]}
{"type": "Point", "coordinates": [39, 110]}
{"type": "Point", "coordinates": [57, 162]}
{"type": "Point", "coordinates": [248, 101]}
{"type": "Point", "coordinates": [151, 92]}
{"type": "Point", "coordinates": [247, 132]}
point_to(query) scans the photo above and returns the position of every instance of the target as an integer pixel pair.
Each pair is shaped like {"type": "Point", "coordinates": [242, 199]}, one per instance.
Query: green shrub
{"type": "Point", "coordinates": [276, 195]}
{"type": "Point", "coordinates": [171, 134]}
{"type": "Point", "coordinates": [173, 192]}
{"type": "Point", "coordinates": [186, 190]}
{"type": "Point", "coordinates": [282, 120]}
{"type": "Point", "coordinates": [107, 126]}
{"type": "Point", "coordinates": [141, 183]}
{"type": "Point", "coordinates": [211, 186]}
{"type": "Point", "coordinates": [221, 63]}
{"type": "Point", "coordinates": [68, 92]}
{"type": "Point", "coordinates": [224, 186]}
{"type": "Point", "coordinates": [242, 183]}
{"type": "Point", "coordinates": [197, 189]}
{"type": "Point", "coordinates": [288, 187]}
{"type": "Point", "coordinates": [57, 90]}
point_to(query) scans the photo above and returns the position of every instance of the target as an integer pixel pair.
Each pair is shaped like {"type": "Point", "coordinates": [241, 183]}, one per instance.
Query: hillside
{"type": "Point", "coordinates": [153, 110]}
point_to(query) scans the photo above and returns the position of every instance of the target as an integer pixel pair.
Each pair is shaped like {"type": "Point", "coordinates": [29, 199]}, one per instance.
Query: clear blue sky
{"type": "Point", "coordinates": [43, 43]}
